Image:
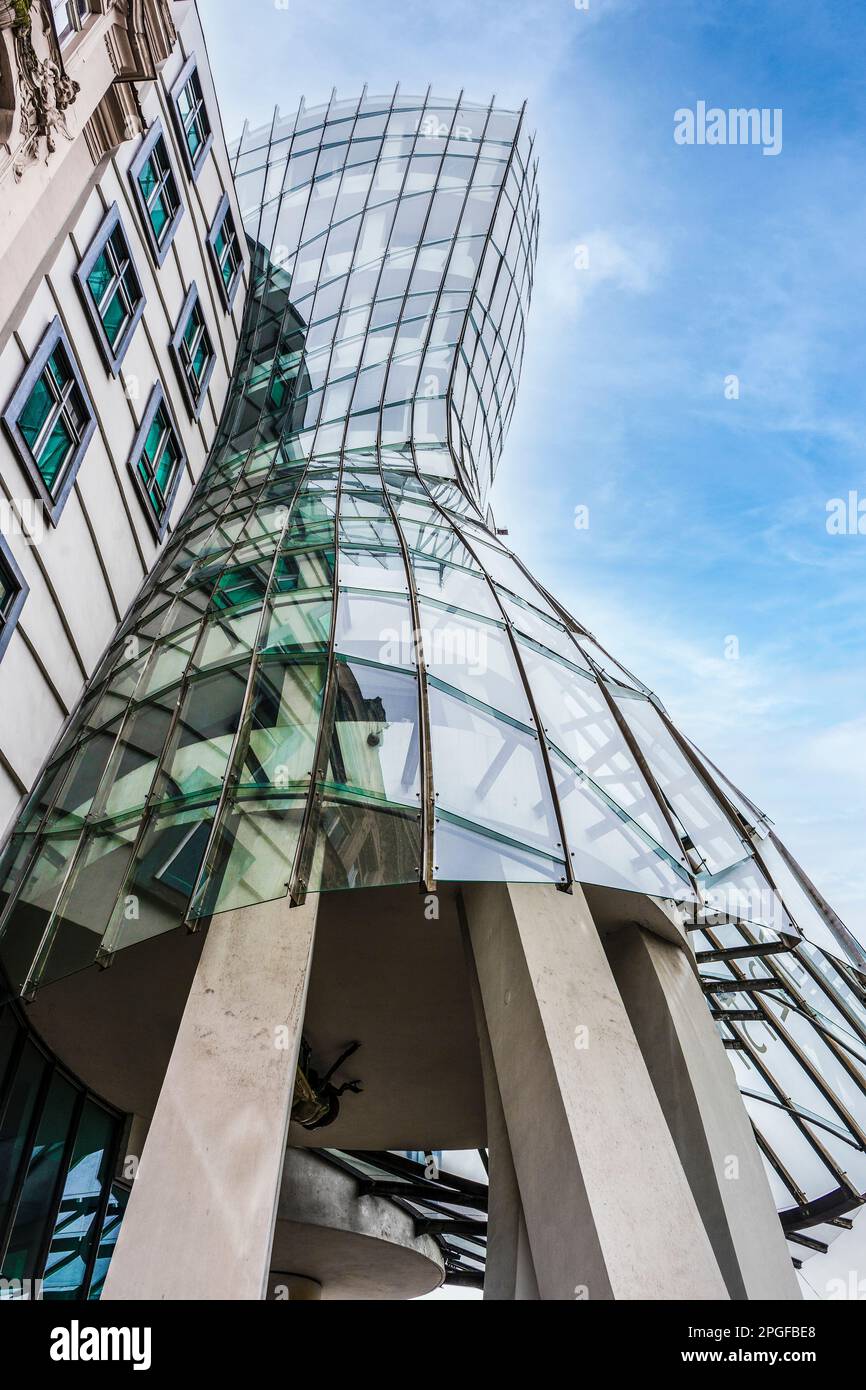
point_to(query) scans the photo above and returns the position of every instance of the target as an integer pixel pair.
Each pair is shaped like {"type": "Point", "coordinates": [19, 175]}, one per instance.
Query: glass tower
{"type": "Point", "coordinates": [337, 676]}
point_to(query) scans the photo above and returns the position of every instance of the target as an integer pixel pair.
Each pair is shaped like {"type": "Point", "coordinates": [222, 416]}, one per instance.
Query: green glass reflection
{"type": "Point", "coordinates": [253, 857]}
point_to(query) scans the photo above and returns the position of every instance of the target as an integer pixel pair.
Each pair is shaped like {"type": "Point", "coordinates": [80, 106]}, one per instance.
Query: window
{"type": "Point", "coordinates": [13, 592]}
{"type": "Point", "coordinates": [191, 116]}
{"type": "Point", "coordinates": [155, 189]}
{"type": "Point", "coordinates": [157, 460]}
{"type": "Point", "coordinates": [226, 251]}
{"type": "Point", "coordinates": [193, 352]}
{"type": "Point", "coordinates": [69, 17]}
{"type": "Point", "coordinates": [111, 290]}
{"type": "Point", "coordinates": [59, 1206]}
{"type": "Point", "coordinates": [50, 420]}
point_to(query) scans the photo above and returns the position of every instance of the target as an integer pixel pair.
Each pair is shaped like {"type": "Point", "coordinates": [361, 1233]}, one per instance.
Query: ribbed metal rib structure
{"type": "Point", "coordinates": [338, 677]}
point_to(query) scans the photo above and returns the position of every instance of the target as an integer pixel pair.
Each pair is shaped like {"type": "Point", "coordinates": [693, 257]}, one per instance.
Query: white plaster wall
{"type": "Point", "coordinates": [84, 572]}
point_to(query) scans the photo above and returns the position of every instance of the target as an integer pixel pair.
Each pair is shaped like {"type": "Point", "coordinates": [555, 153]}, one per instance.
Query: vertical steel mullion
{"type": "Point", "coordinates": [643, 766]}
{"type": "Point", "coordinates": [569, 881]}
{"type": "Point", "coordinates": [305, 848]}
{"type": "Point", "coordinates": [473, 293]}
{"type": "Point", "coordinates": [239, 737]}
{"type": "Point", "coordinates": [326, 234]}
{"type": "Point", "coordinates": [427, 866]}
{"type": "Point", "coordinates": [309, 825]}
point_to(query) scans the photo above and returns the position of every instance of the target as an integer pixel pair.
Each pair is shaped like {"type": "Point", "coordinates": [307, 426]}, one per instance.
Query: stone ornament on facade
{"type": "Point", "coordinates": [33, 81]}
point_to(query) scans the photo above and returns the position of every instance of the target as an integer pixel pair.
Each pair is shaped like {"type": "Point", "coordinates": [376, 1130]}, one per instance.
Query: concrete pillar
{"type": "Point", "coordinates": [509, 1273]}
{"type": "Point", "coordinates": [201, 1214]}
{"type": "Point", "coordinates": [698, 1093]}
{"type": "Point", "coordinates": [608, 1209]}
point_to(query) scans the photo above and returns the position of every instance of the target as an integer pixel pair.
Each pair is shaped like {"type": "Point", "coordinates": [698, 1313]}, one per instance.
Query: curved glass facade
{"type": "Point", "coordinates": [337, 676]}
{"type": "Point", "coordinates": [60, 1210]}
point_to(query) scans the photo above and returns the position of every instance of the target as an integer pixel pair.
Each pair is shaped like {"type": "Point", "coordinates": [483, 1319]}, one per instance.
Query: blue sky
{"type": "Point", "coordinates": [707, 515]}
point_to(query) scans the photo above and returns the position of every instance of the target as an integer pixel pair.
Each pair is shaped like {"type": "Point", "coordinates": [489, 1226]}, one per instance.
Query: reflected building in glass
{"type": "Point", "coordinates": [346, 745]}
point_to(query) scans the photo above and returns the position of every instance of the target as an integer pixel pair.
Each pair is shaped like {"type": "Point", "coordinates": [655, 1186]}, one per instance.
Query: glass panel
{"type": "Point", "coordinates": [577, 720]}
{"type": "Point", "coordinates": [141, 746]}
{"type": "Point", "coordinates": [361, 846]}
{"type": "Point", "coordinates": [252, 861]}
{"type": "Point", "coordinates": [376, 628]}
{"type": "Point", "coordinates": [293, 626]}
{"type": "Point", "coordinates": [88, 903]}
{"type": "Point", "coordinates": [199, 748]}
{"type": "Point", "coordinates": [790, 1145]}
{"type": "Point", "coordinates": [606, 848]}
{"type": "Point", "coordinates": [75, 1228]}
{"type": "Point", "coordinates": [114, 317]}
{"type": "Point", "coordinates": [464, 855]}
{"type": "Point", "coordinates": [100, 277]}
{"type": "Point", "coordinates": [475, 657]}
{"type": "Point", "coordinates": [36, 411]}
{"type": "Point", "coordinates": [798, 902]}
{"type": "Point", "coordinates": [710, 830]}
{"type": "Point", "coordinates": [117, 1201]}
{"type": "Point", "coordinates": [373, 569]}
{"type": "Point", "coordinates": [157, 893]}
{"type": "Point", "coordinates": [284, 720]}
{"type": "Point", "coordinates": [16, 1121]}
{"type": "Point", "coordinates": [450, 585]}
{"type": "Point", "coordinates": [30, 915]}
{"type": "Point", "coordinates": [36, 1203]}
{"type": "Point", "coordinates": [375, 744]}
{"type": "Point", "coordinates": [489, 773]}
{"type": "Point", "coordinates": [54, 454]}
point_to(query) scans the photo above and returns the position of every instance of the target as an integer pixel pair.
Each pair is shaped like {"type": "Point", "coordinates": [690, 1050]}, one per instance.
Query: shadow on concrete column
{"type": "Point", "coordinates": [201, 1215]}
{"type": "Point", "coordinates": [509, 1273]}
{"type": "Point", "coordinates": [698, 1093]}
{"type": "Point", "coordinates": [609, 1211]}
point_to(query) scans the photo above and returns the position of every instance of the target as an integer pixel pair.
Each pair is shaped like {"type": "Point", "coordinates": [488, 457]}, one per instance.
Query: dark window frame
{"type": "Point", "coordinates": [53, 336]}
{"type": "Point", "coordinates": [9, 619]}
{"type": "Point", "coordinates": [227, 292]}
{"type": "Point", "coordinates": [158, 398]}
{"type": "Point", "coordinates": [189, 71]}
{"type": "Point", "coordinates": [113, 355]}
{"type": "Point", "coordinates": [156, 133]}
{"type": "Point", "coordinates": [195, 399]}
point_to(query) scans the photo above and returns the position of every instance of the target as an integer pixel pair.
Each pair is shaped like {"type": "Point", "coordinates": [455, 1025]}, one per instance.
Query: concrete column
{"type": "Point", "coordinates": [698, 1093]}
{"type": "Point", "coordinates": [608, 1209]}
{"type": "Point", "coordinates": [201, 1214]}
{"type": "Point", "coordinates": [509, 1273]}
